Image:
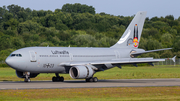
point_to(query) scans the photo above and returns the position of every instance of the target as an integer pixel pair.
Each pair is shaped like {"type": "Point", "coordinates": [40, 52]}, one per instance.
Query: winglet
{"type": "Point", "coordinates": [174, 59]}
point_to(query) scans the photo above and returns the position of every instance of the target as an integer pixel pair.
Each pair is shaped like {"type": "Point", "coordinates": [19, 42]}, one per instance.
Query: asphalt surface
{"type": "Point", "coordinates": [83, 84]}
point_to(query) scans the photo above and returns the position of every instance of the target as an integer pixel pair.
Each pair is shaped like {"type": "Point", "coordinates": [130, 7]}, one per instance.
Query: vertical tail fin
{"type": "Point", "coordinates": [132, 35]}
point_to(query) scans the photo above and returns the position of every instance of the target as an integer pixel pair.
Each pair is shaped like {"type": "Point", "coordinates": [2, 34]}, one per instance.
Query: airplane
{"type": "Point", "coordinates": [82, 62]}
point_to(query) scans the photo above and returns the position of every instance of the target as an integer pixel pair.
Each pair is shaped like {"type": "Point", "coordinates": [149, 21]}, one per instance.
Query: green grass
{"type": "Point", "coordinates": [142, 72]}
{"type": "Point", "coordinates": [91, 94]}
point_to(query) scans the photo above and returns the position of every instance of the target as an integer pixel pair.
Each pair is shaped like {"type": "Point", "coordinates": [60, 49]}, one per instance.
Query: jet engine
{"type": "Point", "coordinates": [21, 74]}
{"type": "Point", "coordinates": [81, 72]}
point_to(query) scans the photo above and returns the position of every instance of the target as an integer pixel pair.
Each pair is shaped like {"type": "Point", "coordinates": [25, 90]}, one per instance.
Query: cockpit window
{"type": "Point", "coordinates": [17, 55]}
{"type": "Point", "coordinates": [12, 55]}
{"type": "Point", "coordinates": [20, 55]}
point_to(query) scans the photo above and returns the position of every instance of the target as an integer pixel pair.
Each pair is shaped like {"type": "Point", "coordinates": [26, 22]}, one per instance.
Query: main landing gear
{"type": "Point", "coordinates": [92, 79]}
{"type": "Point", "coordinates": [27, 77]}
{"type": "Point", "coordinates": [57, 78]}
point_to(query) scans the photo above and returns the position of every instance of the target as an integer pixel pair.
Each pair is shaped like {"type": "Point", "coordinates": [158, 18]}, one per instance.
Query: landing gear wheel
{"type": "Point", "coordinates": [61, 79]}
{"type": "Point", "coordinates": [27, 76]}
{"type": "Point", "coordinates": [54, 79]}
{"type": "Point", "coordinates": [57, 79]}
{"type": "Point", "coordinates": [27, 80]}
{"type": "Point", "coordinates": [92, 79]}
{"type": "Point", "coordinates": [95, 79]}
{"type": "Point", "coordinates": [87, 80]}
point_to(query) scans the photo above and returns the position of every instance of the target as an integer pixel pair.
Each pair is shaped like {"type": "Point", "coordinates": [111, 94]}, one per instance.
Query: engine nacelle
{"type": "Point", "coordinates": [21, 74]}
{"type": "Point", "coordinates": [81, 72]}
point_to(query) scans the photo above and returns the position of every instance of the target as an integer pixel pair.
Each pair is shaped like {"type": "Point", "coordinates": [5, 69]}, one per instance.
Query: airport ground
{"type": "Point", "coordinates": [127, 72]}
{"type": "Point", "coordinates": [110, 93]}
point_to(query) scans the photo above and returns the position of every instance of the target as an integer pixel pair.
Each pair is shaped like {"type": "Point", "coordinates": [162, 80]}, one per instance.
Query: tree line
{"type": "Point", "coordinates": [78, 25]}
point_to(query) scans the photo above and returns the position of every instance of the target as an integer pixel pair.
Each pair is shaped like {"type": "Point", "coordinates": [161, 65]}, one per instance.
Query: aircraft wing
{"type": "Point", "coordinates": [139, 53]}
{"type": "Point", "coordinates": [116, 61]}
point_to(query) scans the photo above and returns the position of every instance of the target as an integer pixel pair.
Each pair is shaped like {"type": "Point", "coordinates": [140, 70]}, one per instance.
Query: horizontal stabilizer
{"type": "Point", "coordinates": [173, 59]}
{"type": "Point", "coordinates": [139, 53]}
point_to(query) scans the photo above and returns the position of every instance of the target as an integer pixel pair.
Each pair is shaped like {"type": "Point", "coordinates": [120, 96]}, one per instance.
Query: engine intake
{"type": "Point", "coordinates": [21, 74]}
{"type": "Point", "coordinates": [81, 72]}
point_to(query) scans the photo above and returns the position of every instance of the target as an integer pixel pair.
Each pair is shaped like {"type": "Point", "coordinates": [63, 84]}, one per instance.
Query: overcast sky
{"type": "Point", "coordinates": [114, 7]}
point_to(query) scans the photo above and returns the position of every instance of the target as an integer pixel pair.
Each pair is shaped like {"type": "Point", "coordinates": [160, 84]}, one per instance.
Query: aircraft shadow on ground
{"type": "Point", "coordinates": [81, 81]}
{"type": "Point", "coordinates": [100, 81]}
{"type": "Point", "coordinates": [107, 81]}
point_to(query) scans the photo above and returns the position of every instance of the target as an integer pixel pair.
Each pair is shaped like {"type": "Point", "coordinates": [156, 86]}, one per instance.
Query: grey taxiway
{"type": "Point", "coordinates": [83, 84]}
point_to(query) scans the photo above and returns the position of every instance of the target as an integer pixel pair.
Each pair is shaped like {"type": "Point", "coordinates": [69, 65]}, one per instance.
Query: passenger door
{"type": "Point", "coordinates": [32, 56]}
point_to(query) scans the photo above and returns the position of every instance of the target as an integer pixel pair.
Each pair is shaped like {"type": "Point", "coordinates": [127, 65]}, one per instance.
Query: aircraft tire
{"type": "Point", "coordinates": [95, 79]}
{"type": "Point", "coordinates": [27, 80]}
{"type": "Point", "coordinates": [87, 80]}
{"type": "Point", "coordinates": [54, 79]}
{"type": "Point", "coordinates": [57, 79]}
{"type": "Point", "coordinates": [61, 79]}
{"type": "Point", "coordinates": [91, 79]}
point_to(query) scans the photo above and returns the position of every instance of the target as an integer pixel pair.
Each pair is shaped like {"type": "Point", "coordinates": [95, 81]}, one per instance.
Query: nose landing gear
{"type": "Point", "coordinates": [27, 77]}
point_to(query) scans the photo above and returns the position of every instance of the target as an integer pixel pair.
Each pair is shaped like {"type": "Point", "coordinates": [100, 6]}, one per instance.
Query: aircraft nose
{"type": "Point", "coordinates": [8, 61]}
{"type": "Point", "coordinates": [14, 62]}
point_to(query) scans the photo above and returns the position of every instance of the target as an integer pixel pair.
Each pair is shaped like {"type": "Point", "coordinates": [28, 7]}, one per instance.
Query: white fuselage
{"type": "Point", "coordinates": [49, 59]}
